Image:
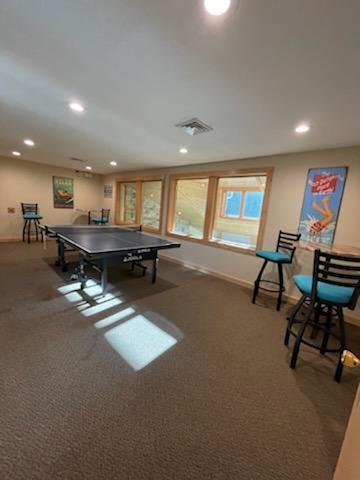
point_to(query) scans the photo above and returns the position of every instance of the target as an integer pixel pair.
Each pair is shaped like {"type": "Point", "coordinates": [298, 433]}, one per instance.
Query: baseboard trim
{"type": "Point", "coordinates": [242, 283]}
{"type": "Point", "coordinates": [10, 240]}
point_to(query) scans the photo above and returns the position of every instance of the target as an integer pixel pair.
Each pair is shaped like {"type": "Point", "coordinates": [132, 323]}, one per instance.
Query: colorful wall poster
{"type": "Point", "coordinates": [63, 189]}
{"type": "Point", "coordinates": [321, 205]}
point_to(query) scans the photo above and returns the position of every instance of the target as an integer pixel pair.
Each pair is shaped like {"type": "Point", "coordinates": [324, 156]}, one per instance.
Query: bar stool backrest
{"type": "Point", "coordinates": [339, 270]}
{"type": "Point", "coordinates": [286, 241]}
{"type": "Point", "coordinates": [29, 208]}
{"type": "Point", "coordinates": [105, 214]}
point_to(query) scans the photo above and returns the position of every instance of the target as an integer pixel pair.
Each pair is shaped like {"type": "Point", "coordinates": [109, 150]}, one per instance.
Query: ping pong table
{"type": "Point", "coordinates": [104, 246]}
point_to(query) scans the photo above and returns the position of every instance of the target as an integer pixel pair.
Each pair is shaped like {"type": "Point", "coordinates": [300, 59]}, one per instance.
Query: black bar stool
{"type": "Point", "coordinates": [334, 285]}
{"type": "Point", "coordinates": [30, 213]}
{"type": "Point", "coordinates": [100, 220]}
{"type": "Point", "coordinates": [279, 257]}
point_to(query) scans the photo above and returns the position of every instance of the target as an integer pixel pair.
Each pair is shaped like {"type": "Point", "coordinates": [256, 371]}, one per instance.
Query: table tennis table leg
{"type": "Point", "coordinates": [61, 262]}
{"type": "Point", "coordinates": [154, 268]}
{"type": "Point", "coordinates": [82, 278]}
{"type": "Point", "coordinates": [104, 276]}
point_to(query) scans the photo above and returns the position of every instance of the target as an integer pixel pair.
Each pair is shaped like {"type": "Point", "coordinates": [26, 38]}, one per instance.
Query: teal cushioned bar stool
{"type": "Point", "coordinates": [334, 285]}
{"type": "Point", "coordinates": [284, 253]}
{"type": "Point", "coordinates": [31, 215]}
{"type": "Point", "coordinates": [103, 219]}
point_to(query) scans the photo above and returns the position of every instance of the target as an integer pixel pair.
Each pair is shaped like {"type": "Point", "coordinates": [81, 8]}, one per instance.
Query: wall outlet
{"type": "Point", "coordinates": [11, 210]}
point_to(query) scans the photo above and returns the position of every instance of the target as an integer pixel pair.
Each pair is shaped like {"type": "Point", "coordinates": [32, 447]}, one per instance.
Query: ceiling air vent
{"type": "Point", "coordinates": [194, 126]}
{"type": "Point", "coordinates": [74, 159]}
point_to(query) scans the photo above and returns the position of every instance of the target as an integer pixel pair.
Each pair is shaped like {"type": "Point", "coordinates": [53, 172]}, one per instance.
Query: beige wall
{"type": "Point", "coordinates": [32, 182]}
{"type": "Point", "coordinates": [24, 181]}
{"type": "Point", "coordinates": [290, 172]}
{"type": "Point", "coordinates": [348, 467]}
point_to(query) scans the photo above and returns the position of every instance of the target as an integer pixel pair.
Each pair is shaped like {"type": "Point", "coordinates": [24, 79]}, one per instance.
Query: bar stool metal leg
{"type": "Point", "coordinates": [318, 311]}
{"type": "Point", "coordinates": [29, 231]}
{"type": "Point", "coordinates": [281, 286]}
{"type": "Point", "coordinates": [292, 317]}
{"type": "Point", "coordinates": [24, 229]}
{"type": "Point", "coordinates": [36, 222]}
{"type": "Point", "coordinates": [300, 335]}
{"type": "Point", "coordinates": [327, 330]}
{"type": "Point", "coordinates": [257, 281]}
{"type": "Point", "coordinates": [339, 367]}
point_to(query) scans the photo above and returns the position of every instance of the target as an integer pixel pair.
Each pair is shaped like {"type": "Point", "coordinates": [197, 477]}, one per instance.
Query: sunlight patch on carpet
{"type": "Point", "coordinates": [97, 303]}
{"type": "Point", "coordinates": [139, 342]}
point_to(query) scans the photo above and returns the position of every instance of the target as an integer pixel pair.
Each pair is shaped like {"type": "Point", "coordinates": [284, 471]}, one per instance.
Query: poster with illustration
{"type": "Point", "coordinates": [322, 200]}
{"type": "Point", "coordinates": [63, 189]}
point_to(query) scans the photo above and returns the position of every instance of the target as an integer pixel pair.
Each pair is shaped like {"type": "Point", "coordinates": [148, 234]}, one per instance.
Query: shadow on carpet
{"type": "Point", "coordinates": [131, 285]}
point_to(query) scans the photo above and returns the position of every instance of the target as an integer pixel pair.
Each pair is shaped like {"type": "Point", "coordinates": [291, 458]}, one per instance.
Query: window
{"type": "Point", "coordinates": [190, 207]}
{"type": "Point", "coordinates": [128, 202]}
{"type": "Point", "coordinates": [151, 204]}
{"type": "Point", "coordinates": [238, 210]}
{"type": "Point", "coordinates": [232, 204]}
{"type": "Point", "coordinates": [253, 204]}
{"type": "Point", "coordinates": [220, 209]}
{"type": "Point", "coordinates": [139, 202]}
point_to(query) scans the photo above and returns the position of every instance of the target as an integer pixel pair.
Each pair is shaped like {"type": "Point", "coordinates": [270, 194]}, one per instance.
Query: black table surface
{"type": "Point", "coordinates": [104, 239]}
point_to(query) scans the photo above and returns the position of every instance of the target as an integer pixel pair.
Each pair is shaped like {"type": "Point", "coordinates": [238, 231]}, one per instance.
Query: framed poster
{"type": "Point", "coordinates": [63, 190]}
{"type": "Point", "coordinates": [321, 205]}
{"type": "Point", "coordinates": [108, 191]}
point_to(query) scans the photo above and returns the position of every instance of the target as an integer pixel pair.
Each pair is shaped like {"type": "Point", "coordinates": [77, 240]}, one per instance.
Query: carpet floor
{"type": "Point", "coordinates": [185, 379]}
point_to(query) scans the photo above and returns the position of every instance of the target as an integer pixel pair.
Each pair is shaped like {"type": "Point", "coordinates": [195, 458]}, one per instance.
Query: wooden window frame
{"type": "Point", "coordinates": [244, 191]}
{"type": "Point", "coordinates": [139, 181]}
{"type": "Point", "coordinates": [213, 178]}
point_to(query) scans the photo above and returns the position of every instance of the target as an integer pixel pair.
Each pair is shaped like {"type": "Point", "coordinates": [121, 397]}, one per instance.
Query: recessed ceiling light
{"type": "Point", "coordinates": [217, 7]}
{"type": "Point", "coordinates": [29, 142]}
{"type": "Point", "coordinates": [184, 151]}
{"type": "Point", "coordinates": [88, 167]}
{"type": "Point", "coordinates": [76, 107]}
{"type": "Point", "coordinates": [113, 164]}
{"type": "Point", "coordinates": [302, 128]}
{"type": "Point", "coordinates": [17, 154]}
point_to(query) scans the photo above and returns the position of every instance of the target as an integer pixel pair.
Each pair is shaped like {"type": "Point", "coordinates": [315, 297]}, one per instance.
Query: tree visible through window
{"type": "Point", "coordinates": [128, 202]}
{"type": "Point", "coordinates": [190, 206]}
{"type": "Point", "coordinates": [140, 203]}
{"type": "Point", "coordinates": [219, 208]}
{"type": "Point", "coordinates": [151, 204]}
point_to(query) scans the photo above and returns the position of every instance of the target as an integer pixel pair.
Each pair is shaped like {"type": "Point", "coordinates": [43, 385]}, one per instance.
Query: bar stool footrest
{"type": "Point", "coordinates": [271, 290]}
{"type": "Point", "coordinates": [317, 347]}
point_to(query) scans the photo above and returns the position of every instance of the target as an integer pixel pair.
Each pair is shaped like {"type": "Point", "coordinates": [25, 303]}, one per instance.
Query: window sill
{"type": "Point", "coordinates": [241, 219]}
{"type": "Point", "coordinates": [144, 228]}
{"type": "Point", "coordinates": [148, 229]}
{"type": "Point", "coordinates": [214, 243]}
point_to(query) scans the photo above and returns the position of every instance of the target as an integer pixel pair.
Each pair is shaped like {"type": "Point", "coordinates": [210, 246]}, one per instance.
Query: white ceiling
{"type": "Point", "coordinates": [141, 66]}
